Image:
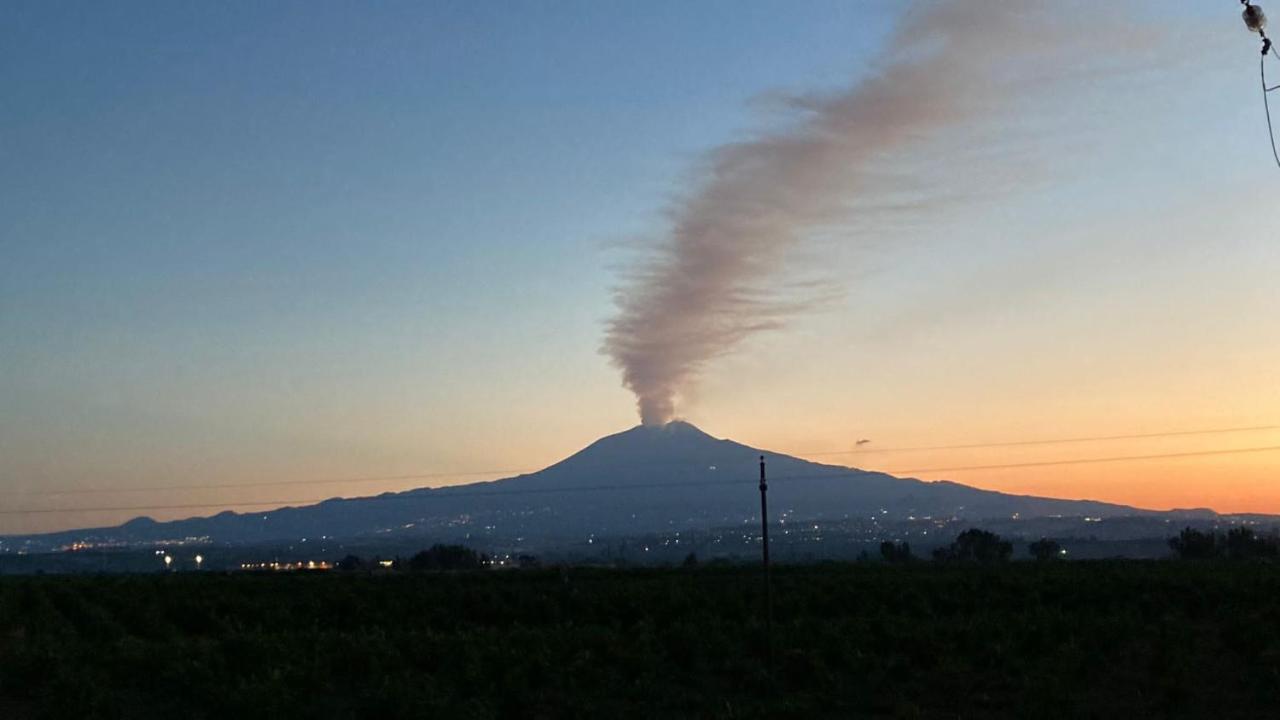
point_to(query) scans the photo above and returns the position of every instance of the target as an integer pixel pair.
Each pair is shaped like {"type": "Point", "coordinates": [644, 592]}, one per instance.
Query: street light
{"type": "Point", "coordinates": [199, 559]}
{"type": "Point", "coordinates": [168, 560]}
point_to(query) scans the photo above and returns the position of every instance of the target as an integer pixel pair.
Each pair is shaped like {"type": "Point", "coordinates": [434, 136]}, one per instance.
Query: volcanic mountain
{"type": "Point", "coordinates": [645, 480]}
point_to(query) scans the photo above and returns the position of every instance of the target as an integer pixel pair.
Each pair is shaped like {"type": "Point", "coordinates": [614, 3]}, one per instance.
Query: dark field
{"type": "Point", "coordinates": [1096, 639]}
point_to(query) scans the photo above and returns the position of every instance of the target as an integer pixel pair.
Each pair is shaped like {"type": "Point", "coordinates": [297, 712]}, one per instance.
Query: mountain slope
{"type": "Point", "coordinates": [643, 480]}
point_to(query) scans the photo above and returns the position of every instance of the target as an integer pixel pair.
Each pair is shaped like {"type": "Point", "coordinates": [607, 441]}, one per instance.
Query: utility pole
{"type": "Point", "coordinates": [764, 548]}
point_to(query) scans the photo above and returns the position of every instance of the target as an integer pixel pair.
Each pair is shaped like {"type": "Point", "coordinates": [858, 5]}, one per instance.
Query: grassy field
{"type": "Point", "coordinates": [1089, 639]}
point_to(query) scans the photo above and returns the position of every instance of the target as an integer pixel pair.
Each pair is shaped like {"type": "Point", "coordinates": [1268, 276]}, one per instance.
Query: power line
{"type": "Point", "coordinates": [1048, 463]}
{"type": "Point", "coordinates": [445, 492]}
{"type": "Point", "coordinates": [504, 474]}
{"type": "Point", "coordinates": [433, 494]}
{"type": "Point", "coordinates": [1058, 441]}
{"type": "Point", "coordinates": [267, 483]}
{"type": "Point", "coordinates": [1086, 461]}
{"type": "Point", "coordinates": [517, 471]}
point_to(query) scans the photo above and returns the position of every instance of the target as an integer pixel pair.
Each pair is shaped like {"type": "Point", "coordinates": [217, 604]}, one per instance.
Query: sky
{"type": "Point", "coordinates": [261, 242]}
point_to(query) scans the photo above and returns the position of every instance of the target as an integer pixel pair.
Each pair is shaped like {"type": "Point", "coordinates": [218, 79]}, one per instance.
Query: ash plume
{"type": "Point", "coordinates": [707, 286]}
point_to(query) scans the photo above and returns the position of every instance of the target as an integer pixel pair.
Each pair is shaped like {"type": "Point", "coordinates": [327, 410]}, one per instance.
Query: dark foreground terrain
{"type": "Point", "coordinates": [1088, 639]}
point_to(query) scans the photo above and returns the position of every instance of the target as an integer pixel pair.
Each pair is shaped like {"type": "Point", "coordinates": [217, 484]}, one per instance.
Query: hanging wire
{"type": "Point", "coordinates": [1255, 20]}
{"type": "Point", "coordinates": [1266, 95]}
{"type": "Point", "coordinates": [738, 477]}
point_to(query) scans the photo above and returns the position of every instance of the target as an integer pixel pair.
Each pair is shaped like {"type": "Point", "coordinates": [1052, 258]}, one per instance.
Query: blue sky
{"type": "Point", "coordinates": [210, 175]}
{"type": "Point", "coordinates": [255, 241]}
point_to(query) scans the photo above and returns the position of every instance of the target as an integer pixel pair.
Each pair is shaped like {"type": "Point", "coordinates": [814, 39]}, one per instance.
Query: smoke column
{"type": "Point", "coordinates": [704, 290]}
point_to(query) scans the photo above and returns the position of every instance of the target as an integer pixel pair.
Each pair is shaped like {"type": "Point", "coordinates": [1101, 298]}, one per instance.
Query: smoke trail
{"type": "Point", "coordinates": [704, 292]}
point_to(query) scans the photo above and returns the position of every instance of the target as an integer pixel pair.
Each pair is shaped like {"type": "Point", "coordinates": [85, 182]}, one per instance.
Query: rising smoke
{"type": "Point", "coordinates": [704, 290]}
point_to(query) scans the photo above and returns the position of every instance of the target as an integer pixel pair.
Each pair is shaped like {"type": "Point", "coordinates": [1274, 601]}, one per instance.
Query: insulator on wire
{"type": "Point", "coordinates": [1254, 19]}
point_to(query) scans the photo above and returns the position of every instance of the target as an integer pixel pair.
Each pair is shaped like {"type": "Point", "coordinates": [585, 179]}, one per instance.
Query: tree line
{"type": "Point", "coordinates": [974, 545]}
{"type": "Point", "coordinates": [438, 557]}
{"type": "Point", "coordinates": [971, 546]}
{"type": "Point", "coordinates": [1240, 543]}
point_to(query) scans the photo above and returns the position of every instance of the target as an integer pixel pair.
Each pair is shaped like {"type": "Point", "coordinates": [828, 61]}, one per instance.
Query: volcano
{"type": "Point", "coordinates": [649, 479]}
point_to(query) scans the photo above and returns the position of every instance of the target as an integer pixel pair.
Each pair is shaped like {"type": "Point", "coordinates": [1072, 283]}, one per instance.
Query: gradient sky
{"type": "Point", "coordinates": [255, 242]}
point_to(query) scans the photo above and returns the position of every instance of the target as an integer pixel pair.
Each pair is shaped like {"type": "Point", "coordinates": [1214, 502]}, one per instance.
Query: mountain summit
{"type": "Point", "coordinates": [645, 452]}
{"type": "Point", "coordinates": [646, 442]}
{"type": "Point", "coordinates": [647, 479]}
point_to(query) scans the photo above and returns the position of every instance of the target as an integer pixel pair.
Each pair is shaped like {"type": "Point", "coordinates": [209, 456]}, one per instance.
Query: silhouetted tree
{"type": "Point", "coordinates": [895, 552]}
{"type": "Point", "coordinates": [1192, 544]}
{"type": "Point", "coordinates": [690, 561]}
{"type": "Point", "coordinates": [350, 563]}
{"type": "Point", "coordinates": [974, 545]}
{"type": "Point", "coordinates": [1045, 549]}
{"type": "Point", "coordinates": [1244, 544]}
{"type": "Point", "coordinates": [445, 557]}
